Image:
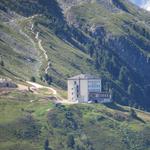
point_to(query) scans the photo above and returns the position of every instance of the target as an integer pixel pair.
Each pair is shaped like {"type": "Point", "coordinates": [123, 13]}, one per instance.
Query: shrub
{"type": "Point", "coordinates": [133, 113]}
{"type": "Point", "coordinates": [70, 141]}
{"type": "Point", "coordinates": [2, 63]}
{"type": "Point", "coordinates": [46, 145]}
{"type": "Point", "coordinates": [48, 79]}
{"type": "Point", "coordinates": [33, 79]}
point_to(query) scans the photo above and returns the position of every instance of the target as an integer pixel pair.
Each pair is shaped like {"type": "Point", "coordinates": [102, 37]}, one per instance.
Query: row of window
{"type": "Point", "coordinates": [94, 82]}
{"type": "Point", "coordinates": [94, 86]}
{"type": "Point", "coordinates": [94, 90]}
{"type": "Point", "coordinates": [100, 95]}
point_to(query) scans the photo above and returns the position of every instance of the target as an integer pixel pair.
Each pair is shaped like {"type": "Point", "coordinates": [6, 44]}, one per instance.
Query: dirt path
{"type": "Point", "coordinates": [32, 26]}
{"type": "Point", "coordinates": [22, 87]}
{"type": "Point", "coordinates": [39, 86]}
{"type": "Point", "coordinates": [36, 86]}
{"type": "Point", "coordinates": [48, 66]}
{"type": "Point", "coordinates": [54, 92]}
{"type": "Point", "coordinates": [39, 43]}
{"type": "Point", "coordinates": [42, 49]}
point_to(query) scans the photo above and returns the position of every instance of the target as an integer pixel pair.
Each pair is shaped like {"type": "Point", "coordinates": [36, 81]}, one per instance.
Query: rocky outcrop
{"type": "Point", "coordinates": [6, 83]}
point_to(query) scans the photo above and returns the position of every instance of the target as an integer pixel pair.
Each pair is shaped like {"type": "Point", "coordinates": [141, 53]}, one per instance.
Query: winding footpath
{"type": "Point", "coordinates": [40, 46]}
{"type": "Point", "coordinates": [39, 86]}
{"type": "Point", "coordinates": [33, 84]}
{"type": "Point", "coordinates": [36, 85]}
{"type": "Point", "coordinates": [42, 49]}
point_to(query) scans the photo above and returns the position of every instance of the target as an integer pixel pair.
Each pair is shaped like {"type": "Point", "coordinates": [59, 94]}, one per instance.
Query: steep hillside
{"type": "Point", "coordinates": [118, 26]}
{"type": "Point", "coordinates": [107, 38]}
{"type": "Point", "coordinates": [47, 41]}
{"type": "Point", "coordinates": [26, 28]}
{"type": "Point", "coordinates": [122, 42]}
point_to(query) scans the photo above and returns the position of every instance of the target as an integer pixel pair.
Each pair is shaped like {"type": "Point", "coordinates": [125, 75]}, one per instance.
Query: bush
{"type": "Point", "coordinates": [133, 113]}
{"type": "Point", "coordinates": [46, 145]}
{"type": "Point", "coordinates": [33, 79]}
{"type": "Point", "coordinates": [2, 63]}
{"type": "Point", "coordinates": [26, 128]}
{"type": "Point", "coordinates": [70, 141]}
{"type": "Point", "coordinates": [120, 116]}
{"type": "Point", "coordinates": [48, 79]}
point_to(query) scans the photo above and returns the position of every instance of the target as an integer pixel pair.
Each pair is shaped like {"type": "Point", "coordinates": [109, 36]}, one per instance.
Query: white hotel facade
{"type": "Point", "coordinates": [86, 88]}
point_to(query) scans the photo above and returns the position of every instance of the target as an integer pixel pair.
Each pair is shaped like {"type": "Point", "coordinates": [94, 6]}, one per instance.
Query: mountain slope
{"type": "Point", "coordinates": [123, 32]}
{"type": "Point", "coordinates": [53, 45]}
{"type": "Point", "coordinates": [53, 40]}
{"type": "Point", "coordinates": [107, 38]}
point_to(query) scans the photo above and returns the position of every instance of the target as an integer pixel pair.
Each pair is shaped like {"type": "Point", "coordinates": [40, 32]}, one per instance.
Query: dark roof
{"type": "Point", "coordinates": [83, 77]}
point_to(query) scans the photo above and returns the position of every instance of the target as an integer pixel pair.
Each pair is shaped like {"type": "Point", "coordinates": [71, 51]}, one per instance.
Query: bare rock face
{"type": "Point", "coordinates": [66, 6]}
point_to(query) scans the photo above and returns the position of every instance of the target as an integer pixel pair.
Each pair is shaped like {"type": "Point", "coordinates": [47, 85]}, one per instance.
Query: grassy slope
{"type": "Point", "coordinates": [24, 124]}
{"type": "Point", "coordinates": [15, 55]}
{"type": "Point", "coordinates": [94, 13]}
{"type": "Point", "coordinates": [62, 66]}
{"type": "Point", "coordinates": [123, 35]}
{"type": "Point", "coordinates": [117, 23]}
{"type": "Point", "coordinates": [113, 20]}
{"type": "Point", "coordinates": [66, 60]}
{"type": "Point", "coordinates": [118, 26]}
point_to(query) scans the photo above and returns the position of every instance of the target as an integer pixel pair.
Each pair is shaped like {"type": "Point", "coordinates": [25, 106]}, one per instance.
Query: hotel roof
{"type": "Point", "coordinates": [83, 77]}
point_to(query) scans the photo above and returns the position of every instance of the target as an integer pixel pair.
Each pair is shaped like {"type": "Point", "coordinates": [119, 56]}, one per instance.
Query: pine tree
{"type": "Point", "coordinates": [130, 89]}
{"type": "Point", "coordinates": [48, 79]}
{"type": "Point", "coordinates": [33, 79]}
{"type": "Point", "coordinates": [97, 64]}
{"type": "Point", "coordinates": [2, 63]}
{"type": "Point", "coordinates": [46, 145]}
{"type": "Point", "coordinates": [123, 76]}
{"type": "Point", "coordinates": [70, 141]}
{"type": "Point", "coordinates": [133, 113]}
